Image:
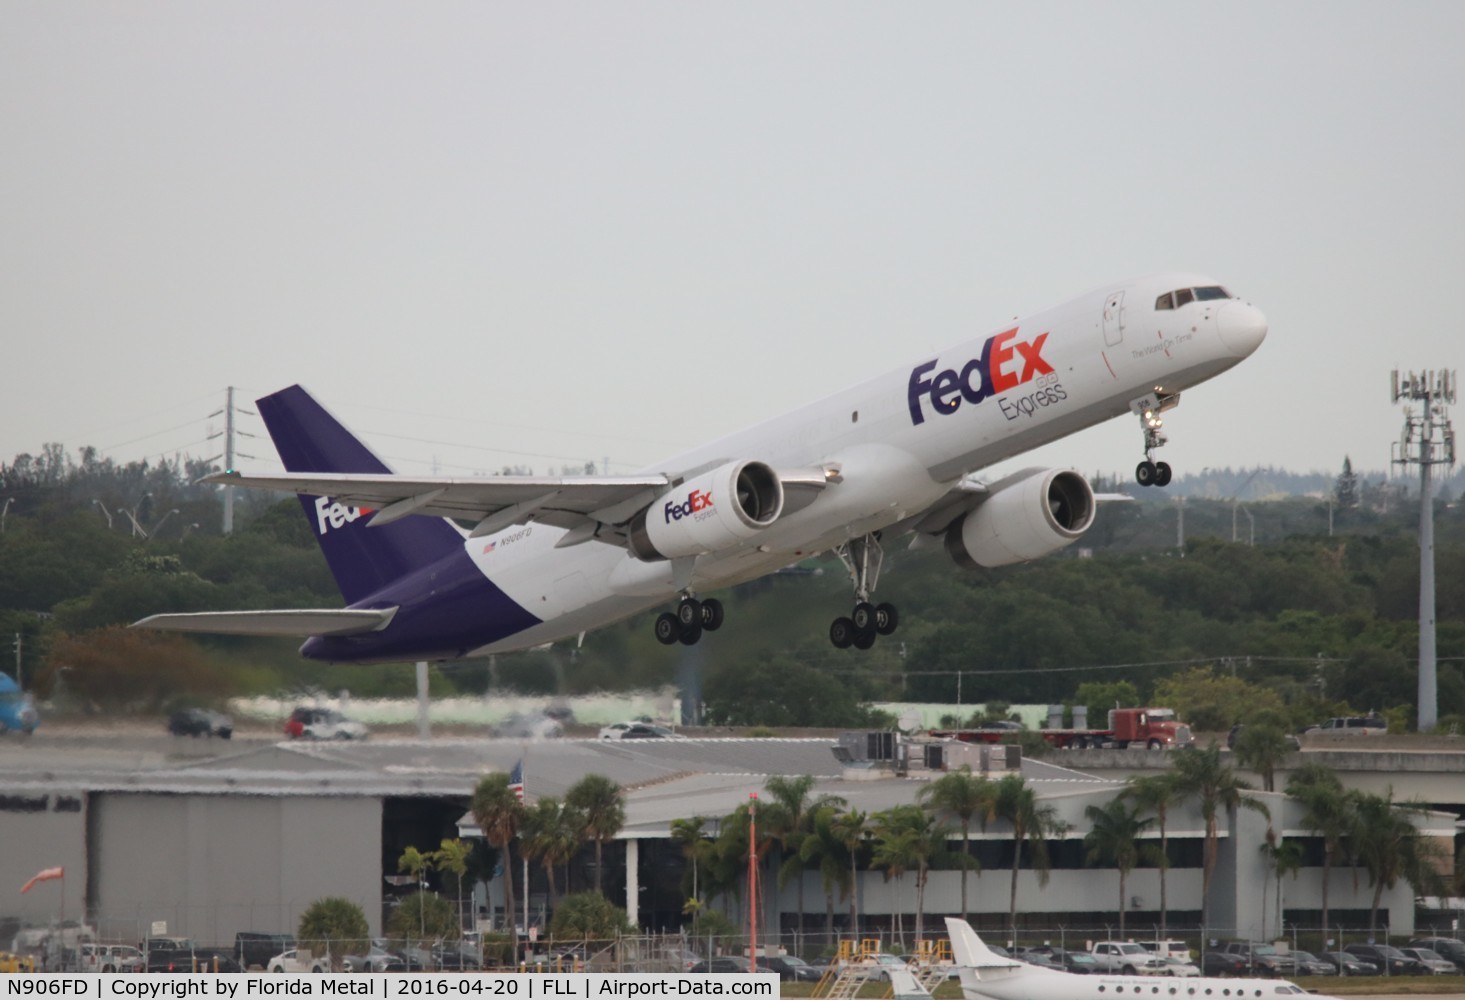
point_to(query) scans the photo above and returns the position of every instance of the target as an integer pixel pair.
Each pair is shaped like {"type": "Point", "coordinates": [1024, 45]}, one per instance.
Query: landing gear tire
{"type": "Point", "coordinates": [886, 618]}
{"type": "Point", "coordinates": [1162, 473]}
{"type": "Point", "coordinates": [668, 628]}
{"type": "Point", "coordinates": [864, 638]}
{"type": "Point", "coordinates": [712, 614]}
{"type": "Point", "coordinates": [690, 635]}
{"type": "Point", "coordinates": [864, 617]}
{"type": "Point", "coordinates": [842, 633]}
{"type": "Point", "coordinates": [689, 612]}
{"type": "Point", "coordinates": [1145, 473]}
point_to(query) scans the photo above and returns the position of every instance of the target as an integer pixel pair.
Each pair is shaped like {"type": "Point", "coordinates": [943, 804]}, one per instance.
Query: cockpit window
{"type": "Point", "coordinates": [1184, 296]}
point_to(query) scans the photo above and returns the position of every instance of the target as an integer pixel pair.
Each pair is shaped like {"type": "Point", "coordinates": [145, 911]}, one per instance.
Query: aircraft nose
{"type": "Point", "coordinates": [1242, 327]}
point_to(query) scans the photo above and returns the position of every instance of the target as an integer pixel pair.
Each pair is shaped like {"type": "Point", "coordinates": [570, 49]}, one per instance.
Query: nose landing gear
{"type": "Point", "coordinates": [1148, 408]}
{"type": "Point", "coordinates": [692, 618]}
{"type": "Point", "coordinates": [863, 557]}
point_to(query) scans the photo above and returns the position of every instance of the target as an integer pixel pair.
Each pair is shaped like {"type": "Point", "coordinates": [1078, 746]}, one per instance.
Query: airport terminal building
{"type": "Point", "coordinates": [209, 840]}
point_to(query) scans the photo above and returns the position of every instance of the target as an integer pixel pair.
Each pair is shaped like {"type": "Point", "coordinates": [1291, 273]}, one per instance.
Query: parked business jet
{"type": "Point", "coordinates": [549, 558]}
{"type": "Point", "coordinates": [985, 975]}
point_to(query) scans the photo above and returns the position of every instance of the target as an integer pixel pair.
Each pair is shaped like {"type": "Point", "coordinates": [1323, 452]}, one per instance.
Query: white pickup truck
{"type": "Point", "coordinates": [1127, 958]}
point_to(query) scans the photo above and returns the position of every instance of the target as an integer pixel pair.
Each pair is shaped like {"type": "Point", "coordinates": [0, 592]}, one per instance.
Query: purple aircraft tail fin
{"type": "Point", "coordinates": [362, 559]}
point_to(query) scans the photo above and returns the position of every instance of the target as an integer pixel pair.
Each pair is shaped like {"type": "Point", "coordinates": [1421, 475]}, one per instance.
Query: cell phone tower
{"type": "Point", "coordinates": [1428, 440]}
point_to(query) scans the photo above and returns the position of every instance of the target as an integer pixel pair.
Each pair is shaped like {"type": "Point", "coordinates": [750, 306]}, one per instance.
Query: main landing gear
{"type": "Point", "coordinates": [692, 618]}
{"type": "Point", "coordinates": [862, 557]}
{"type": "Point", "coordinates": [1149, 408]}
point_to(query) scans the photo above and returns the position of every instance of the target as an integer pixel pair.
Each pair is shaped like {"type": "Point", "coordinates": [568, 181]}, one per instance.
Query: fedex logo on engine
{"type": "Point", "coordinates": [329, 514]}
{"type": "Point", "coordinates": [1005, 363]}
{"type": "Point", "coordinates": [696, 502]}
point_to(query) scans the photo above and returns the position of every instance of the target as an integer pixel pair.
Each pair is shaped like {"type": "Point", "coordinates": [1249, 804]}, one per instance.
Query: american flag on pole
{"type": "Point", "coordinates": [44, 875]}
{"type": "Point", "coordinates": [516, 780]}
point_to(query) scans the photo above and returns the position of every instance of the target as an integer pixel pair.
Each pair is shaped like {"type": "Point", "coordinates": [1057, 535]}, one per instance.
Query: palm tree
{"type": "Point", "coordinates": [824, 849]}
{"type": "Point", "coordinates": [852, 829]}
{"type": "Point", "coordinates": [1282, 857]}
{"type": "Point", "coordinates": [416, 863]}
{"type": "Point", "coordinates": [1114, 838]}
{"type": "Point", "coordinates": [452, 856]}
{"type": "Point", "coordinates": [551, 837]}
{"type": "Point", "coordinates": [1329, 810]}
{"type": "Point", "coordinates": [498, 812]}
{"type": "Point", "coordinates": [1261, 746]}
{"type": "Point", "coordinates": [787, 816]}
{"type": "Point", "coordinates": [690, 835]}
{"type": "Point", "coordinates": [916, 840]}
{"type": "Point", "coordinates": [965, 796]}
{"type": "Point", "coordinates": [1155, 793]}
{"type": "Point", "coordinates": [1016, 803]}
{"type": "Point", "coordinates": [1390, 847]}
{"type": "Point", "coordinates": [597, 801]}
{"type": "Point", "coordinates": [1201, 775]}
{"type": "Point", "coordinates": [895, 852]}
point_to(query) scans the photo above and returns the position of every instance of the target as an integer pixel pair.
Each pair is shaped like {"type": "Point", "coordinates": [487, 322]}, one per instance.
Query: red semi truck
{"type": "Point", "coordinates": [1152, 728]}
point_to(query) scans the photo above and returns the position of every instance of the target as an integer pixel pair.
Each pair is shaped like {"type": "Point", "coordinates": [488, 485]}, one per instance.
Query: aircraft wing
{"type": "Point", "coordinates": [297, 624]}
{"type": "Point", "coordinates": [495, 502]}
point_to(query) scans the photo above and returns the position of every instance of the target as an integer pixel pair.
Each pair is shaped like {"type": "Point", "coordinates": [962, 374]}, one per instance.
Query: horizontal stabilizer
{"type": "Point", "coordinates": [297, 624]}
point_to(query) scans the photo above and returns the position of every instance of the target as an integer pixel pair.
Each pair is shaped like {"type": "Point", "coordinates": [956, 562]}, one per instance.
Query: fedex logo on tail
{"type": "Point", "coordinates": [1005, 363]}
{"type": "Point", "coordinates": [329, 514]}
{"type": "Point", "coordinates": [697, 500]}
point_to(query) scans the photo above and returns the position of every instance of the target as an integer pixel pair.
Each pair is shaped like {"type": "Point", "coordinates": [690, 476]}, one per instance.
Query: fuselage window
{"type": "Point", "coordinates": [1211, 292]}
{"type": "Point", "coordinates": [1184, 296]}
{"type": "Point", "coordinates": [1166, 301]}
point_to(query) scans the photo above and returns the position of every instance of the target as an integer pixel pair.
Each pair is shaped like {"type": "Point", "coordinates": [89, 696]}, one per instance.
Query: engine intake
{"type": "Point", "coordinates": [1026, 516]}
{"type": "Point", "coordinates": [716, 510]}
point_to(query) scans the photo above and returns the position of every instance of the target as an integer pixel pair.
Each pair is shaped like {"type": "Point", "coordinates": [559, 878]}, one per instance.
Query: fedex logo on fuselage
{"type": "Point", "coordinates": [697, 501]}
{"type": "Point", "coordinates": [329, 514]}
{"type": "Point", "coordinates": [1005, 363]}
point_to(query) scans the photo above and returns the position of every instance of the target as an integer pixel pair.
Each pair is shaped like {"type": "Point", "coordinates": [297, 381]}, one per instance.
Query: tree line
{"type": "Point", "coordinates": [87, 546]}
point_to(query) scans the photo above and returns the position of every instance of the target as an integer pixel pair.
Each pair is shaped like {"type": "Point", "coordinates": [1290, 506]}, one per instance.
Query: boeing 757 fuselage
{"type": "Point", "coordinates": [900, 455]}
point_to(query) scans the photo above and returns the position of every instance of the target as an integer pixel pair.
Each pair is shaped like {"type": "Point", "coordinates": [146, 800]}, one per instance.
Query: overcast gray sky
{"type": "Point", "coordinates": [510, 233]}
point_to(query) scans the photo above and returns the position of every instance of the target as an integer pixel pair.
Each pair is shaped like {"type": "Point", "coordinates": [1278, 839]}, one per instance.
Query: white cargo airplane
{"type": "Point", "coordinates": [550, 558]}
{"type": "Point", "coordinates": [985, 975]}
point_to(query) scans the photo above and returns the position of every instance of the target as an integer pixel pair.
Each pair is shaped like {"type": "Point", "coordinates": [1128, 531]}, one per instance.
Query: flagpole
{"type": "Point", "coordinates": [753, 881]}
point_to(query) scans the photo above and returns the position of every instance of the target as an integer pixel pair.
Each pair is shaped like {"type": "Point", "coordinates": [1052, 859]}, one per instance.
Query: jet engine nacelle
{"type": "Point", "coordinates": [713, 511]}
{"type": "Point", "coordinates": [1026, 516]}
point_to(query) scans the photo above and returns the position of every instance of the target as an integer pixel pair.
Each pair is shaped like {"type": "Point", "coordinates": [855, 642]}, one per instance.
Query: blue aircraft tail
{"type": "Point", "coordinates": [362, 559]}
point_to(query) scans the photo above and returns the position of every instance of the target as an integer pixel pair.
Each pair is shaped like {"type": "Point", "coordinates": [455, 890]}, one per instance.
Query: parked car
{"type": "Point", "coordinates": [93, 957]}
{"type": "Point", "coordinates": [1345, 964]}
{"type": "Point", "coordinates": [254, 949]}
{"type": "Point", "coordinates": [200, 722]}
{"type": "Point", "coordinates": [1170, 948]}
{"type": "Point", "coordinates": [1389, 960]}
{"type": "Point", "coordinates": [1223, 963]}
{"type": "Point", "coordinates": [1445, 947]}
{"type": "Point", "coordinates": [791, 969]}
{"type": "Point", "coordinates": [1309, 964]}
{"type": "Point", "coordinates": [1179, 966]}
{"type": "Point", "coordinates": [291, 961]}
{"type": "Point", "coordinates": [1432, 960]}
{"type": "Point", "coordinates": [1080, 962]}
{"type": "Point", "coordinates": [1127, 958]}
{"type": "Point", "coordinates": [1262, 959]}
{"type": "Point", "coordinates": [722, 963]}
{"type": "Point", "coordinates": [323, 724]}
{"type": "Point", "coordinates": [376, 959]}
